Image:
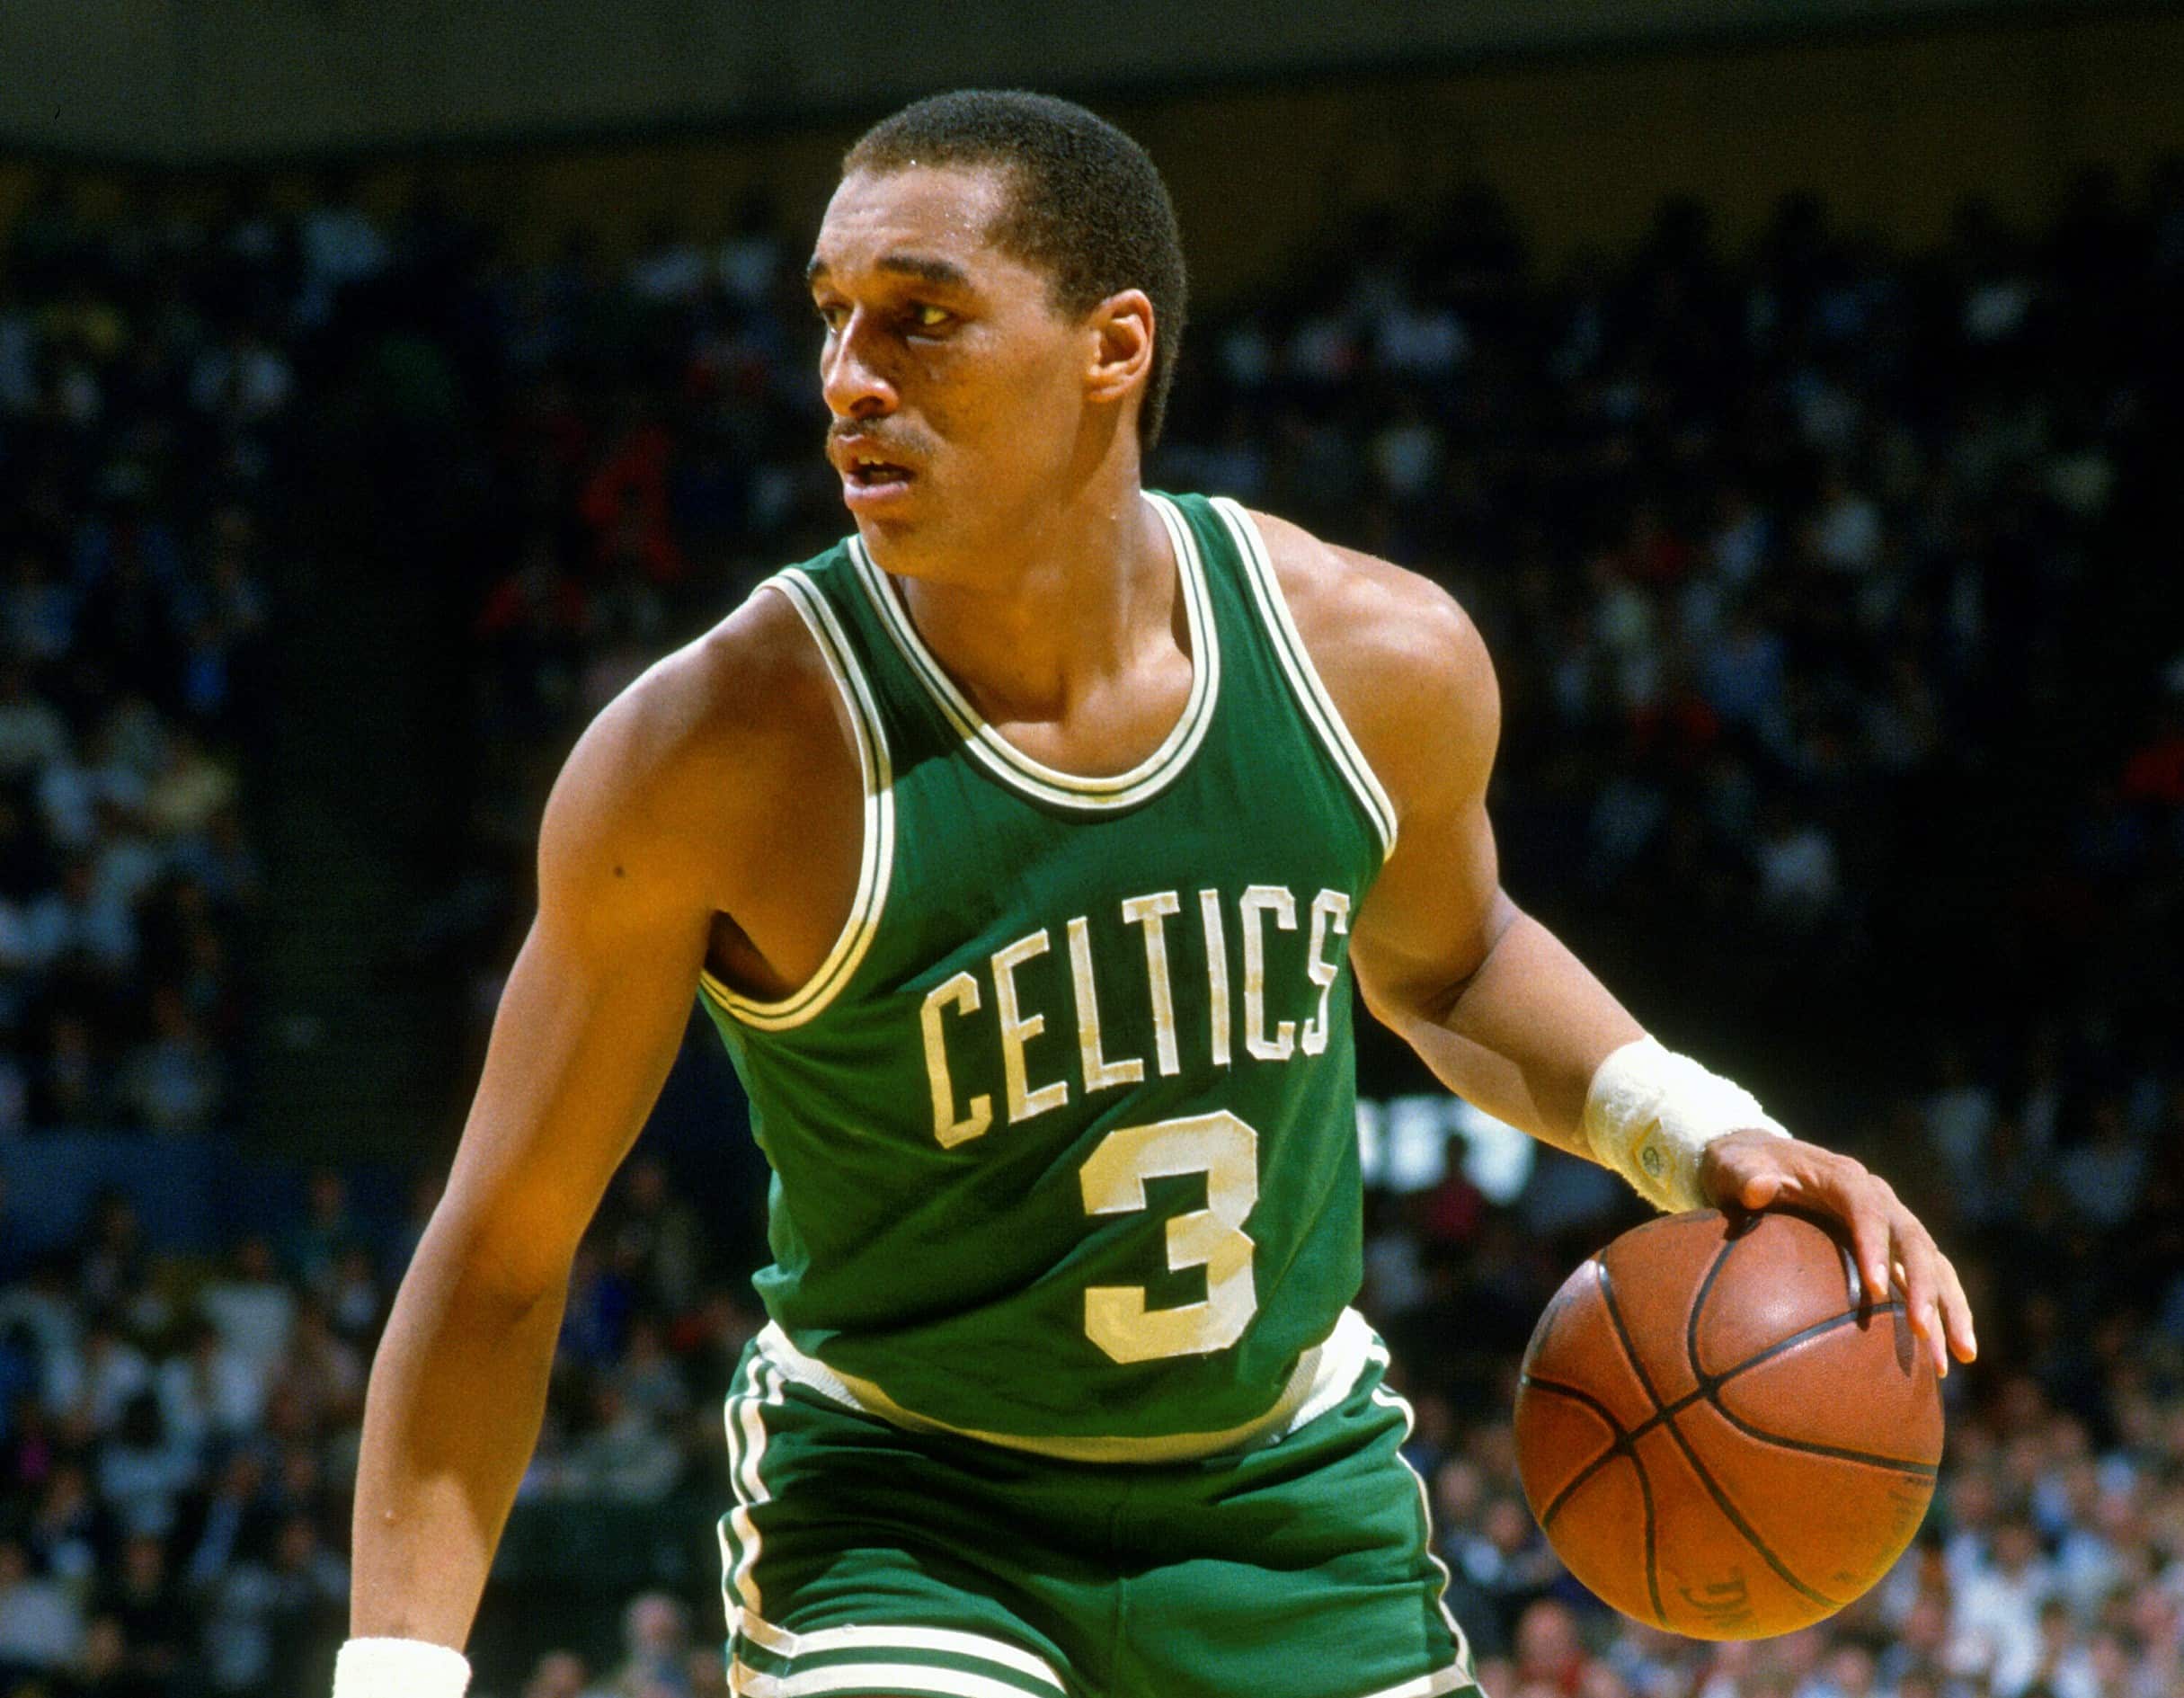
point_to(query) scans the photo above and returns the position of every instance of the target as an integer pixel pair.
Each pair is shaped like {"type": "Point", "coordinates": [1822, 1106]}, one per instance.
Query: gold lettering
{"type": "Point", "coordinates": [1017, 1029]}
{"type": "Point", "coordinates": [1330, 911]}
{"type": "Point", "coordinates": [1150, 912]}
{"type": "Point", "coordinates": [960, 993]}
{"type": "Point", "coordinates": [1260, 900]}
{"type": "Point", "coordinates": [1100, 1073]}
{"type": "Point", "coordinates": [1217, 973]}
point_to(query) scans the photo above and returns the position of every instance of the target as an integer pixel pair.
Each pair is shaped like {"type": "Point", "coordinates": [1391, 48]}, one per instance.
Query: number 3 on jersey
{"type": "Point", "coordinates": [1227, 1151]}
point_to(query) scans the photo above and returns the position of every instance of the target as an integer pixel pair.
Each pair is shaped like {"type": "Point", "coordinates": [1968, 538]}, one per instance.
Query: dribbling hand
{"type": "Point", "coordinates": [1746, 1171]}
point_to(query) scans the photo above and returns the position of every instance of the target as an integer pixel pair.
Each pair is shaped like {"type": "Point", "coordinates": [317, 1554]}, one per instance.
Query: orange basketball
{"type": "Point", "coordinates": [1715, 1436]}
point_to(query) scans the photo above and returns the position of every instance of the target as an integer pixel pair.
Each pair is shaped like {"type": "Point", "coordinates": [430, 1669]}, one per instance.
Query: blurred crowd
{"type": "Point", "coordinates": [139, 386]}
{"type": "Point", "coordinates": [178, 1436]}
{"type": "Point", "coordinates": [1844, 725]}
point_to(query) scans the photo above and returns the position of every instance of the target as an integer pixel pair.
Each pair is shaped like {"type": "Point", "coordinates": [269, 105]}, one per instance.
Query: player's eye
{"type": "Point", "coordinates": [927, 316]}
{"type": "Point", "coordinates": [831, 314]}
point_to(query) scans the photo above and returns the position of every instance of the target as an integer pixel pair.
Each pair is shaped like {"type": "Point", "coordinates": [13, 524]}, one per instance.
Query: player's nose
{"type": "Point", "coordinates": [850, 376]}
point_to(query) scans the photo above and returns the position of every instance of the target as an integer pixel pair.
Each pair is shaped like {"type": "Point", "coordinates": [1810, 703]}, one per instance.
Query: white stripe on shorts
{"type": "Point", "coordinates": [745, 1418]}
{"type": "Point", "coordinates": [918, 1678]}
{"type": "Point", "coordinates": [1455, 1677]}
{"type": "Point", "coordinates": [781, 1642]}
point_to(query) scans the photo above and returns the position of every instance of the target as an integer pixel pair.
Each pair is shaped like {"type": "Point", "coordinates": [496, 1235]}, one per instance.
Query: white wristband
{"type": "Point", "coordinates": [399, 1669]}
{"type": "Point", "coordinates": [1650, 1112]}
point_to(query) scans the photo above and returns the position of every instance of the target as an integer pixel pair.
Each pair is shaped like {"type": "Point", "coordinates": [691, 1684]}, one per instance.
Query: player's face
{"type": "Point", "coordinates": [958, 389]}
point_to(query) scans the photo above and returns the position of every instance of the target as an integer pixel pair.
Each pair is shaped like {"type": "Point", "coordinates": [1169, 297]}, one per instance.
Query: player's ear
{"type": "Point", "coordinates": [1122, 329]}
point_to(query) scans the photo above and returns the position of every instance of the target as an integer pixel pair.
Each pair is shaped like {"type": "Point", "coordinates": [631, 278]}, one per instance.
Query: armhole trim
{"type": "Point", "coordinates": [1304, 678]}
{"type": "Point", "coordinates": [878, 862]}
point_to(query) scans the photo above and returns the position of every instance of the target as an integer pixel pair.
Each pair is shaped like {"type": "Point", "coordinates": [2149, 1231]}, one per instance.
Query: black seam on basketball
{"type": "Point", "coordinates": [1706, 1290]}
{"type": "Point", "coordinates": [1622, 1333]}
{"type": "Point", "coordinates": [1575, 1395]}
{"type": "Point", "coordinates": [1812, 1447]}
{"type": "Point", "coordinates": [1721, 1498]}
{"type": "Point", "coordinates": [1621, 1447]}
{"type": "Point", "coordinates": [1617, 1446]}
{"type": "Point", "coordinates": [1736, 1519]}
{"type": "Point", "coordinates": [1783, 1346]}
{"type": "Point", "coordinates": [1630, 1355]}
{"type": "Point", "coordinates": [1653, 1575]}
{"type": "Point", "coordinates": [1710, 1385]}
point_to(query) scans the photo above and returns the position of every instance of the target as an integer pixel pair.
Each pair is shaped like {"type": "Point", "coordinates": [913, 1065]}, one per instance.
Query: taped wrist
{"type": "Point", "coordinates": [1650, 1114]}
{"type": "Point", "coordinates": [399, 1669]}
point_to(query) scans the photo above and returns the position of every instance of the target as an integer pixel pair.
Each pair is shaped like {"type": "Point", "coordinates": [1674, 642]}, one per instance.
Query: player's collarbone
{"type": "Point", "coordinates": [1191, 973]}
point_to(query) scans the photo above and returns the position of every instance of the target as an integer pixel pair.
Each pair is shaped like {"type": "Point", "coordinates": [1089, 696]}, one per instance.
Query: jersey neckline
{"type": "Point", "coordinates": [1033, 778]}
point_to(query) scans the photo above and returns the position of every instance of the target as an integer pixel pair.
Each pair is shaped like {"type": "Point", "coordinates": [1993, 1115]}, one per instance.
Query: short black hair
{"type": "Point", "coordinates": [1087, 203]}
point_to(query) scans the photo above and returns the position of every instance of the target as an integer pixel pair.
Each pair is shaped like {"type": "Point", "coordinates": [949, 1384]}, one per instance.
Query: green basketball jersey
{"type": "Point", "coordinates": [1063, 1132]}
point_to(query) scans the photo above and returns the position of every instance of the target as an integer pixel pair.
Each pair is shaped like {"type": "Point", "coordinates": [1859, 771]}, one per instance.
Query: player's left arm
{"type": "Point", "coordinates": [1503, 1014]}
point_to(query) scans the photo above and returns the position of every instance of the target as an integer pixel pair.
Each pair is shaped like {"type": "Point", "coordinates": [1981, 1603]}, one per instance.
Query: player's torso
{"type": "Point", "coordinates": [1062, 1130]}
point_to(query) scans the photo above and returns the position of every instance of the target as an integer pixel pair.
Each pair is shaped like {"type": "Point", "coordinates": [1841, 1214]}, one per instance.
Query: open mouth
{"type": "Point", "coordinates": [870, 474]}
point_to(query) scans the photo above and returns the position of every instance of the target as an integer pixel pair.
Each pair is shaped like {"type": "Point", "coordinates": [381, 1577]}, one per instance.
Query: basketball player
{"type": "Point", "coordinates": [1022, 848]}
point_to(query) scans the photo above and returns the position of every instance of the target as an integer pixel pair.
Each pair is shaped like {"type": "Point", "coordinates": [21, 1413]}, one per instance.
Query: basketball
{"type": "Point", "coordinates": [1715, 1435]}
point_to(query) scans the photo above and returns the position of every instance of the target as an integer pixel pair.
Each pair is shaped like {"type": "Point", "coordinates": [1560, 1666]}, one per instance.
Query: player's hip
{"type": "Point", "coordinates": [1298, 1569]}
{"type": "Point", "coordinates": [1158, 1428]}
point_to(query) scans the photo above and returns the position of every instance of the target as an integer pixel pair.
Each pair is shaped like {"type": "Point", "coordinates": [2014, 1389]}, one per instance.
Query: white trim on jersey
{"type": "Point", "coordinates": [1010, 763]}
{"type": "Point", "coordinates": [1311, 692]}
{"type": "Point", "coordinates": [876, 865]}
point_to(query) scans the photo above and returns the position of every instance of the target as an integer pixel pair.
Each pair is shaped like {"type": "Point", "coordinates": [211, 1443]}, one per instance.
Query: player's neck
{"type": "Point", "coordinates": [1080, 598]}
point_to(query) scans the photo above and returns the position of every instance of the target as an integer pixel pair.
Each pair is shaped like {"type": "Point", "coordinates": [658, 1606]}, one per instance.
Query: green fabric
{"type": "Point", "coordinates": [1297, 1571]}
{"type": "Point", "coordinates": [947, 1260]}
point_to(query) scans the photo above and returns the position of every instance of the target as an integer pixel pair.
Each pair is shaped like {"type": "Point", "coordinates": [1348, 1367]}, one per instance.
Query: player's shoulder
{"type": "Point", "coordinates": [751, 685]}
{"type": "Point", "coordinates": [753, 682]}
{"type": "Point", "coordinates": [1404, 664]}
{"type": "Point", "coordinates": [708, 739]}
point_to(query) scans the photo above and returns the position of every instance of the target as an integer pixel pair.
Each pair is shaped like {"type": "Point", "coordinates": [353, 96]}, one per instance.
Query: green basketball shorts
{"type": "Point", "coordinates": [863, 1560]}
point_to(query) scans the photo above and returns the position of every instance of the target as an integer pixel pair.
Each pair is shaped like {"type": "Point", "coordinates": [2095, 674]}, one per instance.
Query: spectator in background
{"type": "Point", "coordinates": [235, 1522]}
{"type": "Point", "coordinates": [275, 1618]}
{"type": "Point", "coordinates": [657, 1232]}
{"type": "Point", "coordinates": [1508, 1563]}
{"type": "Point", "coordinates": [1551, 1652]}
{"type": "Point", "coordinates": [322, 1371]}
{"type": "Point", "coordinates": [627, 1455]}
{"type": "Point", "coordinates": [251, 1308]}
{"type": "Point", "coordinates": [72, 1531]}
{"type": "Point", "coordinates": [2104, 1177]}
{"type": "Point", "coordinates": [560, 1675]}
{"type": "Point", "coordinates": [154, 1630]}
{"type": "Point", "coordinates": [109, 1666]}
{"type": "Point", "coordinates": [354, 1301]}
{"type": "Point", "coordinates": [144, 1469]}
{"type": "Point", "coordinates": [1995, 1625]}
{"type": "Point", "coordinates": [41, 1630]}
{"type": "Point", "coordinates": [655, 1638]}
{"type": "Point", "coordinates": [173, 1082]}
{"type": "Point", "coordinates": [209, 1392]}
{"type": "Point", "coordinates": [90, 1384]}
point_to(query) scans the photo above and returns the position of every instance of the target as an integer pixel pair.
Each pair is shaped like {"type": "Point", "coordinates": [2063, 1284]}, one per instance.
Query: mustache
{"type": "Point", "coordinates": [880, 439]}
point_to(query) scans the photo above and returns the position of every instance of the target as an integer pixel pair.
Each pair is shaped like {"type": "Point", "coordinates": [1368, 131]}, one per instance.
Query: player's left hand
{"type": "Point", "coordinates": [1749, 1171]}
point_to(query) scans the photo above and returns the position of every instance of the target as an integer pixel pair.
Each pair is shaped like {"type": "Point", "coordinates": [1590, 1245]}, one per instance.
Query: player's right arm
{"type": "Point", "coordinates": [658, 823]}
